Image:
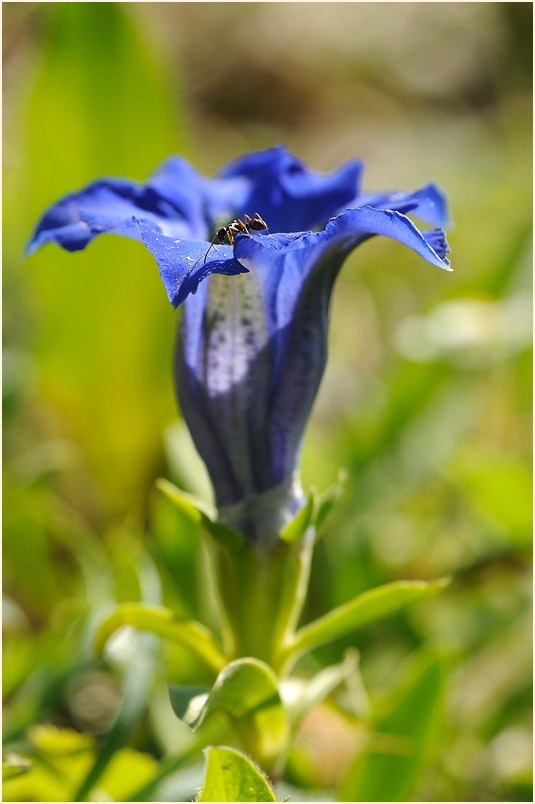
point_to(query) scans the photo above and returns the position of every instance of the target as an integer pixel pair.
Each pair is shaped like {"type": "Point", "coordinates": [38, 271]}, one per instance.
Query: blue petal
{"type": "Point", "coordinates": [184, 263]}
{"type": "Point", "coordinates": [175, 200]}
{"type": "Point", "coordinates": [253, 350]}
{"type": "Point", "coordinates": [297, 274]}
{"type": "Point", "coordinates": [287, 194]}
{"type": "Point", "coordinates": [429, 203]}
{"type": "Point", "coordinates": [284, 260]}
{"type": "Point", "coordinates": [108, 205]}
{"type": "Point", "coordinates": [223, 375]}
{"type": "Point", "coordinates": [205, 203]}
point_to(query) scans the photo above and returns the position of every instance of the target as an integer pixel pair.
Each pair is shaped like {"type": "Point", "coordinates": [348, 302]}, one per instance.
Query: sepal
{"type": "Point", "coordinates": [327, 501]}
{"type": "Point", "coordinates": [193, 508]}
{"type": "Point", "coordinates": [203, 514]}
{"type": "Point", "coordinates": [294, 531]}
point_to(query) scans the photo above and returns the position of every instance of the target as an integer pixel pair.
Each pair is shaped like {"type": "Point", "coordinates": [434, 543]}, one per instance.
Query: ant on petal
{"type": "Point", "coordinates": [255, 224]}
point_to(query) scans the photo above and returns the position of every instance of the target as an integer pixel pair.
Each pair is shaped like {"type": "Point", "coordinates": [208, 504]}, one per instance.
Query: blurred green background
{"type": "Point", "coordinates": [426, 400]}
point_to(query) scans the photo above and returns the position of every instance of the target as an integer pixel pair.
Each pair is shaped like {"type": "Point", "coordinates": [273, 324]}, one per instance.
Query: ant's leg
{"type": "Point", "coordinates": [243, 227]}
{"type": "Point", "coordinates": [209, 248]}
{"type": "Point", "coordinates": [259, 223]}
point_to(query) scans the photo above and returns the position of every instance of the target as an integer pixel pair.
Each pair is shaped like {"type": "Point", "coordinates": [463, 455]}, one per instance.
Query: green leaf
{"type": "Point", "coordinates": [163, 622]}
{"type": "Point", "coordinates": [13, 765]}
{"type": "Point", "coordinates": [246, 690]}
{"type": "Point", "coordinates": [243, 686]}
{"type": "Point", "coordinates": [202, 514]}
{"type": "Point", "coordinates": [188, 701]}
{"type": "Point", "coordinates": [363, 610]}
{"type": "Point", "coordinates": [231, 776]}
{"type": "Point", "coordinates": [226, 536]}
{"type": "Point", "coordinates": [329, 498]}
{"type": "Point", "coordinates": [191, 506]}
{"type": "Point", "coordinates": [388, 770]}
{"type": "Point", "coordinates": [295, 530]}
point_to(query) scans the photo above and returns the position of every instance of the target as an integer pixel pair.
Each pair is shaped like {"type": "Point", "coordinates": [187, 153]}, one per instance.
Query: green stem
{"type": "Point", "coordinates": [262, 593]}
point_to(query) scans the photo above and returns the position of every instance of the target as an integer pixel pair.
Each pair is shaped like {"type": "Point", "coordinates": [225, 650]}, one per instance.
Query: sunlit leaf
{"type": "Point", "coordinates": [295, 530]}
{"type": "Point", "coordinates": [191, 506]}
{"type": "Point", "coordinates": [162, 622]}
{"type": "Point", "coordinates": [363, 610]}
{"type": "Point", "coordinates": [231, 776]}
{"type": "Point", "coordinates": [203, 514]}
{"type": "Point", "coordinates": [327, 500]}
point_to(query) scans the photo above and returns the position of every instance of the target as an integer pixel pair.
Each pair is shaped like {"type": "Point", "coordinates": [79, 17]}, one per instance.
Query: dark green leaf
{"type": "Point", "coordinates": [188, 701]}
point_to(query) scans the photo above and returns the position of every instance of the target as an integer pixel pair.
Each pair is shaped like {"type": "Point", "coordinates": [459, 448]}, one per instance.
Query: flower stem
{"type": "Point", "coordinates": [262, 593]}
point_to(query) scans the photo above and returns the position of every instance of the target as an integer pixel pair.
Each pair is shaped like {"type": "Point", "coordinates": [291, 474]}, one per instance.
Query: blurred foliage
{"type": "Point", "coordinates": [426, 399]}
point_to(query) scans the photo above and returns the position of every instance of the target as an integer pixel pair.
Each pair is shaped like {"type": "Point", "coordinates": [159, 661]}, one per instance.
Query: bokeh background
{"type": "Point", "coordinates": [426, 400]}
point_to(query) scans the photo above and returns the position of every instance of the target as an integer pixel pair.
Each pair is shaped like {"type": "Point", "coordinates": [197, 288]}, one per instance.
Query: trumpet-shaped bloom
{"type": "Point", "coordinates": [253, 338]}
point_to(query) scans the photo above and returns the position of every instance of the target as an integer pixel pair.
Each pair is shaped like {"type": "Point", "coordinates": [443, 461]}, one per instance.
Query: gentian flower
{"type": "Point", "coordinates": [252, 345]}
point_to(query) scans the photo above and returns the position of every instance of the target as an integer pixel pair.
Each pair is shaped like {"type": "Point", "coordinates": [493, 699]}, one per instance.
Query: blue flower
{"type": "Point", "coordinates": [252, 348]}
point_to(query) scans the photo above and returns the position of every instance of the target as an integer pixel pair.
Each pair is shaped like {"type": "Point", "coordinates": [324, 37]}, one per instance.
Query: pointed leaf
{"type": "Point", "coordinates": [329, 498]}
{"type": "Point", "coordinates": [190, 505]}
{"type": "Point", "coordinates": [224, 534]}
{"type": "Point", "coordinates": [163, 622]}
{"type": "Point", "coordinates": [231, 776]}
{"type": "Point", "coordinates": [295, 530]}
{"type": "Point", "coordinates": [201, 513]}
{"type": "Point", "coordinates": [364, 609]}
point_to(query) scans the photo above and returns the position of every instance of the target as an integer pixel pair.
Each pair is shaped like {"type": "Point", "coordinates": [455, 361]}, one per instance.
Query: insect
{"type": "Point", "coordinates": [255, 224]}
